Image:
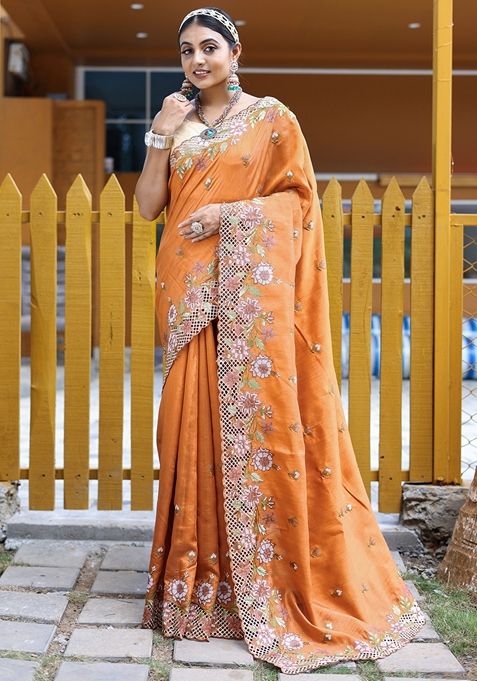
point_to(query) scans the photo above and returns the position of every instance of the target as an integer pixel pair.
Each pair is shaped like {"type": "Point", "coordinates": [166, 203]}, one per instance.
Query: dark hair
{"type": "Point", "coordinates": [214, 24]}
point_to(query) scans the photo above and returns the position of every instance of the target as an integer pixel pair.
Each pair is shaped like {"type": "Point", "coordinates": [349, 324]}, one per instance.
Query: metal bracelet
{"type": "Point", "coordinates": [152, 139]}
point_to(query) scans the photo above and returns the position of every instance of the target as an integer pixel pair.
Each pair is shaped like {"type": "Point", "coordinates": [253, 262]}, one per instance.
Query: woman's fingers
{"type": "Point", "coordinates": [185, 227]}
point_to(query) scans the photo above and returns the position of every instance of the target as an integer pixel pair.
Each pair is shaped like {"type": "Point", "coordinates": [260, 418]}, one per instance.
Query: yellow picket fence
{"type": "Point", "coordinates": [111, 221]}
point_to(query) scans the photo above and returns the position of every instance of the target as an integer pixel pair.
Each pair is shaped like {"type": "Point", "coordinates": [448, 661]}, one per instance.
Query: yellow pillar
{"type": "Point", "coordinates": [444, 407]}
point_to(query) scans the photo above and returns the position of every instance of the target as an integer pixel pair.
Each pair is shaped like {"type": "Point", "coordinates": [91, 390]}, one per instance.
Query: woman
{"type": "Point", "coordinates": [264, 530]}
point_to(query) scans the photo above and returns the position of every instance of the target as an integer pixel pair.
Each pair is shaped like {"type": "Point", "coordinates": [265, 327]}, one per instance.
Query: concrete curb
{"type": "Point", "coordinates": [124, 526]}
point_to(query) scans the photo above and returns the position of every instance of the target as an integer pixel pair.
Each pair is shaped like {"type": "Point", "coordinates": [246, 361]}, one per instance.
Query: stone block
{"type": "Point", "coordinates": [427, 633]}
{"type": "Point", "coordinates": [413, 678]}
{"type": "Point", "coordinates": [413, 589]}
{"type": "Point", "coordinates": [320, 677]}
{"type": "Point", "coordinates": [432, 510]}
{"type": "Point", "coordinates": [221, 651]}
{"type": "Point", "coordinates": [127, 558]}
{"type": "Point", "coordinates": [17, 670]}
{"type": "Point", "coordinates": [110, 643]}
{"type": "Point", "coordinates": [217, 674]}
{"type": "Point", "coordinates": [112, 611]}
{"type": "Point", "coordinates": [51, 554]}
{"type": "Point", "coordinates": [33, 606]}
{"type": "Point", "coordinates": [399, 561]}
{"type": "Point", "coordinates": [57, 578]}
{"type": "Point", "coordinates": [26, 637]}
{"type": "Point", "coordinates": [123, 582]}
{"type": "Point", "coordinates": [9, 504]}
{"type": "Point", "coordinates": [423, 658]}
{"type": "Point", "coordinates": [101, 671]}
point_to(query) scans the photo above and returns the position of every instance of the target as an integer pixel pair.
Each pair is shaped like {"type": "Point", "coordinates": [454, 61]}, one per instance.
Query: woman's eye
{"type": "Point", "coordinates": [210, 47]}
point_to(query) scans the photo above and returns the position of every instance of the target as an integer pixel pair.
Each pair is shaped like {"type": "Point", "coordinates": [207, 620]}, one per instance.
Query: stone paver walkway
{"type": "Point", "coordinates": [71, 611]}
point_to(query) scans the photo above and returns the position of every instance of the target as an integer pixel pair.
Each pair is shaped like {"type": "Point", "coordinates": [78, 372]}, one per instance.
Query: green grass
{"type": "Point", "coordinates": [6, 558]}
{"type": "Point", "coordinates": [78, 597]}
{"type": "Point", "coordinates": [453, 613]}
{"type": "Point", "coordinates": [369, 671]}
{"type": "Point", "coordinates": [265, 672]}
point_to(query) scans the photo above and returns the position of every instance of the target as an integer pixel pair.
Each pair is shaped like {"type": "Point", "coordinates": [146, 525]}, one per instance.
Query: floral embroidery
{"type": "Point", "coordinates": [204, 592]}
{"type": "Point", "coordinates": [188, 316]}
{"type": "Point", "coordinates": [197, 152]}
{"type": "Point", "coordinates": [249, 309]}
{"type": "Point", "coordinates": [224, 593]}
{"type": "Point", "coordinates": [263, 274]}
{"type": "Point", "coordinates": [261, 366]}
{"type": "Point", "coordinates": [262, 459]}
{"type": "Point", "coordinates": [265, 551]}
{"type": "Point", "coordinates": [292, 642]}
{"type": "Point", "coordinates": [178, 590]}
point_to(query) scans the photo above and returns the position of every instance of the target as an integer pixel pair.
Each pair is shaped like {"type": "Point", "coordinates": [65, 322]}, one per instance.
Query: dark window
{"type": "Point", "coordinates": [125, 143]}
{"type": "Point", "coordinates": [123, 91]}
{"type": "Point", "coordinates": [163, 84]}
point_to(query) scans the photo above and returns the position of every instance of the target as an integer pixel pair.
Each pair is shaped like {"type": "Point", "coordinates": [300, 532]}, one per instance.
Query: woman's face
{"type": "Point", "coordinates": [203, 49]}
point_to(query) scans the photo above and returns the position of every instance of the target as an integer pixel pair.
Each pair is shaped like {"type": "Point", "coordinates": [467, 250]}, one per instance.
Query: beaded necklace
{"type": "Point", "coordinates": [211, 129]}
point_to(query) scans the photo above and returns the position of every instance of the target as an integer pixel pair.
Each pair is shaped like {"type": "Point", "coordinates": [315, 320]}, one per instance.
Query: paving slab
{"type": "Point", "coordinates": [223, 651]}
{"type": "Point", "coordinates": [112, 611]}
{"type": "Point", "coordinates": [427, 633]}
{"type": "Point", "coordinates": [110, 643]}
{"type": "Point", "coordinates": [399, 561]}
{"type": "Point", "coordinates": [413, 589]}
{"type": "Point", "coordinates": [217, 674]}
{"type": "Point", "coordinates": [426, 678]}
{"type": "Point", "coordinates": [124, 582]}
{"type": "Point", "coordinates": [127, 558]}
{"type": "Point", "coordinates": [320, 677]}
{"type": "Point", "coordinates": [33, 606]}
{"type": "Point", "coordinates": [101, 671]}
{"type": "Point", "coordinates": [342, 665]}
{"type": "Point", "coordinates": [17, 670]}
{"type": "Point", "coordinates": [423, 658]}
{"type": "Point", "coordinates": [51, 554]}
{"type": "Point", "coordinates": [56, 578]}
{"type": "Point", "coordinates": [26, 637]}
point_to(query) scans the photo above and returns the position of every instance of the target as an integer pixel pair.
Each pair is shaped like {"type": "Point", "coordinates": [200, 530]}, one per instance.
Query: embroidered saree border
{"type": "Point", "coordinates": [243, 366]}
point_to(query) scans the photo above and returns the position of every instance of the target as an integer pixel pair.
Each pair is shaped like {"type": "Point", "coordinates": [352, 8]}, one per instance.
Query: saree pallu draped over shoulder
{"type": "Point", "coordinates": [264, 530]}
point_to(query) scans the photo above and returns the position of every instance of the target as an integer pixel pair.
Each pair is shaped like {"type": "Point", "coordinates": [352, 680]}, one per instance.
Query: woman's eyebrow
{"type": "Point", "coordinates": [207, 40]}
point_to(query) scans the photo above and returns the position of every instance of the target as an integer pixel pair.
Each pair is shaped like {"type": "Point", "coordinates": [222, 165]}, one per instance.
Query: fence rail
{"type": "Point", "coordinates": [43, 219]}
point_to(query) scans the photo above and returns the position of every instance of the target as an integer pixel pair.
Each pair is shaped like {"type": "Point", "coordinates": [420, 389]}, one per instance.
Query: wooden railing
{"type": "Point", "coordinates": [44, 217]}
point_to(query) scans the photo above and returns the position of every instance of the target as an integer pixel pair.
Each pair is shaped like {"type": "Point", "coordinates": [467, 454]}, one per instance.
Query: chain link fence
{"type": "Point", "coordinates": [469, 353]}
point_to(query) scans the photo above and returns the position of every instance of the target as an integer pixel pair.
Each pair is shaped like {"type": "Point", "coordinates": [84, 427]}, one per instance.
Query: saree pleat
{"type": "Point", "coordinates": [264, 530]}
{"type": "Point", "coordinates": [190, 535]}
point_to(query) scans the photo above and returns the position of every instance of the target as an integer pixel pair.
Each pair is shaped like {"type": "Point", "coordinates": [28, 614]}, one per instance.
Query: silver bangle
{"type": "Point", "coordinates": [152, 139]}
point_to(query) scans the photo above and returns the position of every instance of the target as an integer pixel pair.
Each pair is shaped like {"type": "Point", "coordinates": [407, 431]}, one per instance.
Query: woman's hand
{"type": "Point", "coordinates": [208, 215]}
{"type": "Point", "coordinates": [171, 115]}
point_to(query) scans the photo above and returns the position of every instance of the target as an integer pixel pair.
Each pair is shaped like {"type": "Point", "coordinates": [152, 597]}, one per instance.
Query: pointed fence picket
{"type": "Point", "coordinates": [142, 361]}
{"type": "Point", "coordinates": [422, 331]}
{"type": "Point", "coordinates": [111, 344]}
{"type": "Point", "coordinates": [78, 310]}
{"type": "Point", "coordinates": [10, 327]}
{"type": "Point", "coordinates": [43, 242]}
{"type": "Point", "coordinates": [359, 385]}
{"type": "Point", "coordinates": [363, 223]}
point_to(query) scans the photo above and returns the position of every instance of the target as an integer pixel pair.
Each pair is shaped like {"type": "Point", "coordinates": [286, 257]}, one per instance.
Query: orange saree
{"type": "Point", "coordinates": [263, 530]}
